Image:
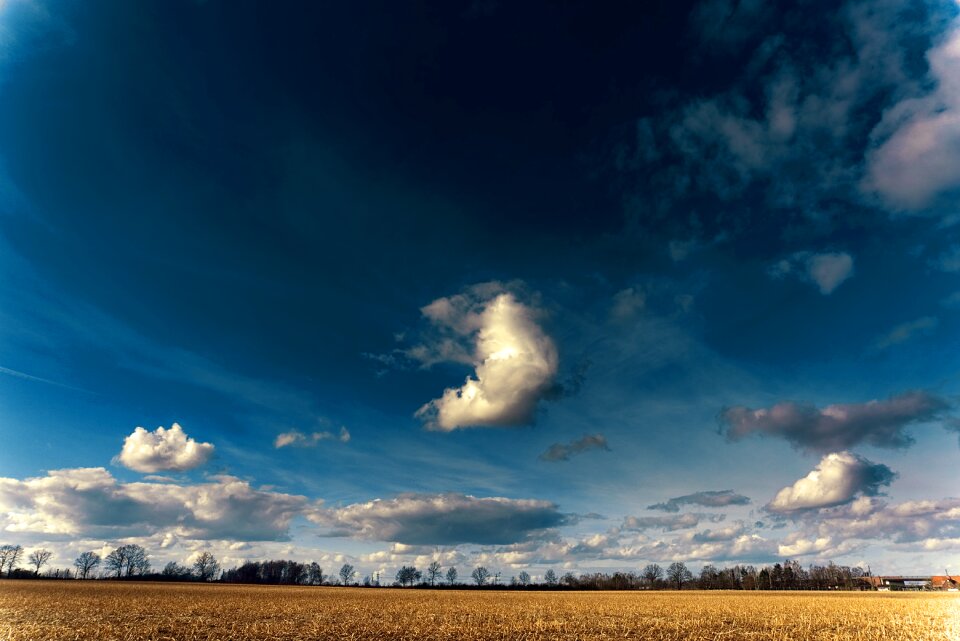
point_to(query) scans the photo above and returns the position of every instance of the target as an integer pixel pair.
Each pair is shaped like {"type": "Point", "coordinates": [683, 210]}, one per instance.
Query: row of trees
{"type": "Point", "coordinates": [126, 561]}
{"type": "Point", "coordinates": [129, 561]}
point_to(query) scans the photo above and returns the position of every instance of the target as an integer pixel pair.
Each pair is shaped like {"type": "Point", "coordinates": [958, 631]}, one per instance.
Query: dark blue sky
{"type": "Point", "coordinates": [652, 252]}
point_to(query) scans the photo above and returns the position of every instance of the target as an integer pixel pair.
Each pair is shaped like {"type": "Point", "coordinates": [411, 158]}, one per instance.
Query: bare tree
{"type": "Point", "coordinates": [433, 572]}
{"type": "Point", "coordinates": [128, 560]}
{"type": "Point", "coordinates": [480, 575]}
{"type": "Point", "coordinates": [346, 573]}
{"type": "Point", "coordinates": [523, 578]}
{"type": "Point", "coordinates": [679, 574]}
{"type": "Point", "coordinates": [408, 575]}
{"type": "Point", "coordinates": [315, 574]}
{"type": "Point", "coordinates": [451, 576]}
{"type": "Point", "coordinates": [38, 559]}
{"type": "Point", "coordinates": [652, 573]}
{"type": "Point", "coordinates": [86, 562]}
{"type": "Point", "coordinates": [550, 578]}
{"type": "Point", "coordinates": [206, 567]}
{"type": "Point", "coordinates": [174, 570]}
{"type": "Point", "coordinates": [9, 557]}
{"type": "Point", "coordinates": [116, 561]}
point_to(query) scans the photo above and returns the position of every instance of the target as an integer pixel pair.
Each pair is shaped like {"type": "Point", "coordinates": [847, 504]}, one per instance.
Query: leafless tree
{"type": "Point", "coordinates": [652, 573]}
{"type": "Point", "coordinates": [679, 574]}
{"type": "Point", "coordinates": [38, 559]}
{"type": "Point", "coordinates": [433, 572]}
{"type": "Point", "coordinates": [206, 567]}
{"type": "Point", "coordinates": [315, 574]}
{"type": "Point", "coordinates": [9, 557]}
{"type": "Point", "coordinates": [523, 578]}
{"type": "Point", "coordinates": [451, 575]}
{"type": "Point", "coordinates": [480, 575]}
{"type": "Point", "coordinates": [408, 575]}
{"type": "Point", "coordinates": [128, 560]}
{"type": "Point", "coordinates": [550, 578]}
{"type": "Point", "coordinates": [346, 573]}
{"type": "Point", "coordinates": [85, 563]}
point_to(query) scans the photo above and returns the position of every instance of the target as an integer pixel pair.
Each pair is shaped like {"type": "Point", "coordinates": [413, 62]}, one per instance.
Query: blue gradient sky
{"type": "Point", "coordinates": [238, 218]}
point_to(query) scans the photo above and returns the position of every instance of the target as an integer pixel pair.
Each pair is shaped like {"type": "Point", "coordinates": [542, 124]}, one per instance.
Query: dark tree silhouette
{"type": "Point", "coordinates": [85, 563]}
{"type": "Point", "coordinates": [550, 578]}
{"type": "Point", "coordinates": [452, 576]}
{"type": "Point", "coordinates": [480, 575]}
{"type": "Point", "coordinates": [679, 574]}
{"type": "Point", "coordinates": [9, 557]}
{"type": "Point", "coordinates": [206, 567]}
{"type": "Point", "coordinates": [39, 558]}
{"type": "Point", "coordinates": [433, 572]}
{"type": "Point", "coordinates": [408, 575]}
{"type": "Point", "coordinates": [652, 573]}
{"type": "Point", "coordinates": [346, 573]}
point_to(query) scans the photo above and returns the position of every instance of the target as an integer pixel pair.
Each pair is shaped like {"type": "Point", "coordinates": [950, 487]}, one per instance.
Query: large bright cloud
{"type": "Point", "coordinates": [839, 478]}
{"type": "Point", "coordinates": [837, 427]}
{"type": "Point", "coordinates": [917, 154]}
{"type": "Point", "coordinates": [515, 361]}
{"type": "Point", "coordinates": [91, 502]}
{"type": "Point", "coordinates": [163, 450]}
{"type": "Point", "coordinates": [444, 519]}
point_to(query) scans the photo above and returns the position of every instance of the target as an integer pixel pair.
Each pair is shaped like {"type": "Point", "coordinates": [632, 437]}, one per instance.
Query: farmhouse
{"type": "Point", "coordinates": [915, 583]}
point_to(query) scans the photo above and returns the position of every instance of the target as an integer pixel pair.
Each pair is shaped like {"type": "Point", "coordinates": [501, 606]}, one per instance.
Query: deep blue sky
{"type": "Point", "coordinates": [678, 249]}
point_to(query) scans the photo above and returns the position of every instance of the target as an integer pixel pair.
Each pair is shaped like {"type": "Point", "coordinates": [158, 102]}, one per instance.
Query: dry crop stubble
{"type": "Point", "coordinates": [49, 610]}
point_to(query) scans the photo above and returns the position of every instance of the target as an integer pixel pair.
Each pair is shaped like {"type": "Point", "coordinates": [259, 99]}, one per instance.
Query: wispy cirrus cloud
{"type": "Point", "coordinates": [294, 438]}
{"type": "Point", "coordinates": [907, 331]}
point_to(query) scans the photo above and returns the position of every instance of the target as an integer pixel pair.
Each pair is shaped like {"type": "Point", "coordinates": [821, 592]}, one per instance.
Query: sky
{"type": "Point", "coordinates": [526, 285]}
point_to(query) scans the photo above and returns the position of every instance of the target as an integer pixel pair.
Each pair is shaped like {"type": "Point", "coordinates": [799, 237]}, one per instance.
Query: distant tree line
{"type": "Point", "coordinates": [132, 562]}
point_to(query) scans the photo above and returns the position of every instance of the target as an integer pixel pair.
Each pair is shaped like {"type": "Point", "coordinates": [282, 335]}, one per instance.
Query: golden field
{"type": "Point", "coordinates": [46, 610]}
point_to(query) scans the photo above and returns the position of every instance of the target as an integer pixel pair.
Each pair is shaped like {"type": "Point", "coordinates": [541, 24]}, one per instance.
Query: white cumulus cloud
{"type": "Point", "coordinates": [163, 450]}
{"type": "Point", "coordinates": [838, 479]}
{"type": "Point", "coordinates": [515, 362]}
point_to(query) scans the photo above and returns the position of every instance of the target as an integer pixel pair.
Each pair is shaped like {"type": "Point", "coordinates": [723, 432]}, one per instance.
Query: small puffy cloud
{"type": "Point", "coordinates": [837, 427]}
{"type": "Point", "coordinates": [627, 303]}
{"type": "Point", "coordinates": [294, 438]}
{"type": "Point", "coordinates": [916, 158]}
{"type": "Point", "coordinates": [563, 451]}
{"type": "Point", "coordinates": [709, 498]}
{"type": "Point", "coordinates": [162, 450]}
{"type": "Point", "coordinates": [827, 270]}
{"type": "Point", "coordinates": [838, 479]}
{"type": "Point", "coordinates": [679, 250]}
{"type": "Point", "coordinates": [444, 519]}
{"type": "Point", "coordinates": [515, 362]}
{"type": "Point", "coordinates": [905, 331]}
{"type": "Point", "coordinates": [91, 502]}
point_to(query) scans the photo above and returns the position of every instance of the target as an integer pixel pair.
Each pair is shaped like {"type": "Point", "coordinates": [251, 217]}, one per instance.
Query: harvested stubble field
{"type": "Point", "coordinates": [41, 611]}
